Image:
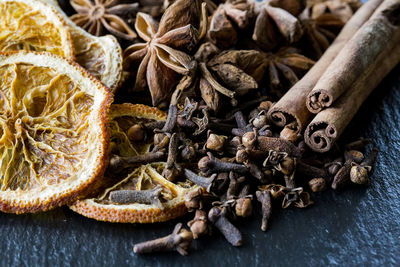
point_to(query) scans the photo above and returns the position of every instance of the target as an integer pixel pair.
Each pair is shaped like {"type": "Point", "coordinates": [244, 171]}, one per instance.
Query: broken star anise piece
{"type": "Point", "coordinates": [322, 21]}
{"type": "Point", "coordinates": [272, 23]}
{"type": "Point", "coordinates": [285, 66]}
{"type": "Point", "coordinates": [229, 73]}
{"type": "Point", "coordinates": [100, 15]}
{"type": "Point", "coordinates": [226, 20]}
{"type": "Point", "coordinates": [160, 60]}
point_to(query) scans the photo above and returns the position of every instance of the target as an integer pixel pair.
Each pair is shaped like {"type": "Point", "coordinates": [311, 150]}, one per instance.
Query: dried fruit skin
{"type": "Point", "coordinates": [54, 140]}
{"type": "Point", "coordinates": [31, 25]}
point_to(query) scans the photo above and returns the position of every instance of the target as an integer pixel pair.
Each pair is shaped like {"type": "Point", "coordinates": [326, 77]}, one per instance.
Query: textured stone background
{"type": "Point", "coordinates": [353, 227]}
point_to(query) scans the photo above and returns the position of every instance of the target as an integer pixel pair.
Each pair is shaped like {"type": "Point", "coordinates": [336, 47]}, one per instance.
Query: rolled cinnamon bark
{"type": "Point", "coordinates": [290, 109]}
{"type": "Point", "coordinates": [329, 124]}
{"type": "Point", "coordinates": [353, 60]}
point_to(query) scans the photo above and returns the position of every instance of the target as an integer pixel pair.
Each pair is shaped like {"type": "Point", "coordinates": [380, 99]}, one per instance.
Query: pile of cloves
{"type": "Point", "coordinates": [245, 166]}
{"type": "Point", "coordinates": [218, 66]}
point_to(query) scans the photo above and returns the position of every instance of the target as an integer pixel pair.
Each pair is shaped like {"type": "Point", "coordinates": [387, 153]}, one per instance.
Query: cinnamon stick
{"type": "Point", "coordinates": [353, 60]}
{"type": "Point", "coordinates": [329, 124]}
{"type": "Point", "coordinates": [291, 108]}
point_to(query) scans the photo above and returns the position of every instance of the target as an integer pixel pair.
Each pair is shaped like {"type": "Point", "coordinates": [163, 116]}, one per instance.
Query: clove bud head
{"type": "Point", "coordinates": [249, 140]}
{"type": "Point", "coordinates": [260, 121]}
{"type": "Point", "coordinates": [289, 134]}
{"type": "Point", "coordinates": [359, 175]}
{"type": "Point", "coordinates": [199, 225]}
{"type": "Point", "coordinates": [317, 184]}
{"type": "Point", "coordinates": [242, 156]}
{"type": "Point", "coordinates": [203, 164]}
{"type": "Point", "coordinates": [288, 165]}
{"type": "Point", "coordinates": [136, 133]}
{"type": "Point", "coordinates": [216, 142]}
{"type": "Point", "coordinates": [244, 207]}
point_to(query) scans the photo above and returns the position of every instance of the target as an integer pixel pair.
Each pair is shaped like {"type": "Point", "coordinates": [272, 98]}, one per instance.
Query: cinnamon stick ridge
{"type": "Point", "coordinates": [330, 123]}
{"type": "Point", "coordinates": [291, 108]}
{"type": "Point", "coordinates": [353, 60]}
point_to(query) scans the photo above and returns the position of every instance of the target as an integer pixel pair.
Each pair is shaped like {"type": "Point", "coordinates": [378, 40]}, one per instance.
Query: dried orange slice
{"type": "Point", "coordinates": [145, 178]}
{"type": "Point", "coordinates": [53, 136]}
{"type": "Point", "coordinates": [101, 56]}
{"type": "Point", "coordinates": [33, 26]}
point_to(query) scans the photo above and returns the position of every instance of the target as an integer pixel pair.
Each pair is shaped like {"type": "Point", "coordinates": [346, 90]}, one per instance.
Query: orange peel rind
{"type": "Point", "coordinates": [53, 138]}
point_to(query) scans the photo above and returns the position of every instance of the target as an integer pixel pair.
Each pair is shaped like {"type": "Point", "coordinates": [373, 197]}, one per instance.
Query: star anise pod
{"type": "Point", "coordinates": [104, 15]}
{"type": "Point", "coordinates": [228, 17]}
{"type": "Point", "coordinates": [228, 73]}
{"type": "Point", "coordinates": [322, 21]}
{"type": "Point", "coordinates": [160, 60]}
{"type": "Point", "coordinates": [284, 67]}
{"type": "Point", "coordinates": [272, 23]}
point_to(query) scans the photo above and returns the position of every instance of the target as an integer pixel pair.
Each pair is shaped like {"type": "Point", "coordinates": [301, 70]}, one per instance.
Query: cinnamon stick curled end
{"type": "Point", "coordinates": [320, 136]}
{"type": "Point", "coordinates": [318, 100]}
{"type": "Point", "coordinates": [281, 118]}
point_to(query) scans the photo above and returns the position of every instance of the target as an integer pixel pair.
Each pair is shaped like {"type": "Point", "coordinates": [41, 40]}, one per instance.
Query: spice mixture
{"type": "Point", "coordinates": [257, 92]}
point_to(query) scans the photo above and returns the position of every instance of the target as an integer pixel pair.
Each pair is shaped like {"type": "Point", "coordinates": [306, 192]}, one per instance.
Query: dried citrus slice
{"type": "Point", "coordinates": [32, 25]}
{"type": "Point", "coordinates": [101, 56]}
{"type": "Point", "coordinates": [145, 178]}
{"type": "Point", "coordinates": [53, 135]}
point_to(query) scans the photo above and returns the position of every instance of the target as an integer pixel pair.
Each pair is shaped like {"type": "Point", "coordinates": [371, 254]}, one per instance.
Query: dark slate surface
{"type": "Point", "coordinates": [353, 227]}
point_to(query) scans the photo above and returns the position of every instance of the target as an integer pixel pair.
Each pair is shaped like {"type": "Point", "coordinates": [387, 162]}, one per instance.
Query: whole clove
{"type": "Point", "coordinates": [171, 171]}
{"type": "Point", "coordinates": [342, 177]}
{"type": "Point", "coordinates": [244, 203]}
{"type": "Point", "coordinates": [143, 197]}
{"type": "Point", "coordinates": [198, 199]}
{"type": "Point", "coordinates": [264, 197]}
{"type": "Point", "coordinates": [209, 164]}
{"type": "Point", "coordinates": [179, 240]}
{"type": "Point", "coordinates": [234, 185]}
{"type": "Point", "coordinates": [207, 183]}
{"type": "Point", "coordinates": [359, 173]}
{"type": "Point", "coordinates": [199, 225]}
{"type": "Point", "coordinates": [118, 163]}
{"type": "Point", "coordinates": [218, 217]}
